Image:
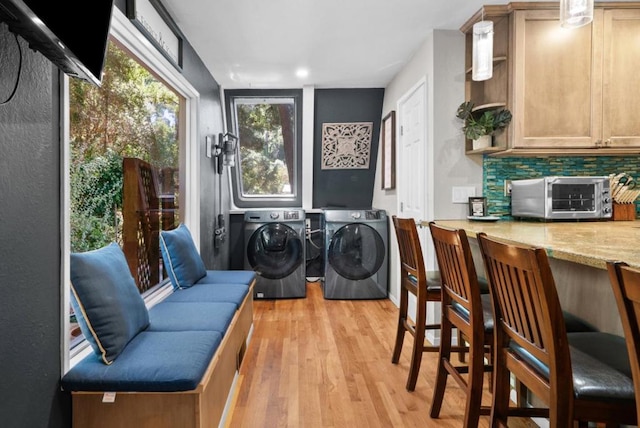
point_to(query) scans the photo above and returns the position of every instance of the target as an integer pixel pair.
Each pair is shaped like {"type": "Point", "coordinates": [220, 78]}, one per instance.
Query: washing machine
{"type": "Point", "coordinates": [356, 254]}
{"type": "Point", "coordinates": [275, 250]}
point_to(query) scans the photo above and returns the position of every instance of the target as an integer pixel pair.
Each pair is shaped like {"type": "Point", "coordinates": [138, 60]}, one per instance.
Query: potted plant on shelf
{"type": "Point", "coordinates": [480, 126]}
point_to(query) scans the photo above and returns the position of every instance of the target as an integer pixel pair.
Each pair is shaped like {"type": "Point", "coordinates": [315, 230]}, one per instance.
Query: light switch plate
{"type": "Point", "coordinates": [461, 194]}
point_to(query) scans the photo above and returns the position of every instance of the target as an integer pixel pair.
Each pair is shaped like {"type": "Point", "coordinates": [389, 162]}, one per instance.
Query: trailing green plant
{"type": "Point", "coordinates": [487, 122]}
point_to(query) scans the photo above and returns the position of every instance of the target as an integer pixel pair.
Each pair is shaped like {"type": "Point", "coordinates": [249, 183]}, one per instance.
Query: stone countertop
{"type": "Point", "coordinates": [591, 243]}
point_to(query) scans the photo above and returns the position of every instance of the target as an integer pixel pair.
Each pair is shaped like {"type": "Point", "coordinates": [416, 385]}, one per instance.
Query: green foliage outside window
{"type": "Point", "coordinates": [131, 115]}
{"type": "Point", "coordinates": [265, 130]}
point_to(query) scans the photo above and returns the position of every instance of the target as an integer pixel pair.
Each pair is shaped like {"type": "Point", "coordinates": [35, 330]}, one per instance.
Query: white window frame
{"type": "Point", "coordinates": [242, 200]}
{"type": "Point", "coordinates": [130, 37]}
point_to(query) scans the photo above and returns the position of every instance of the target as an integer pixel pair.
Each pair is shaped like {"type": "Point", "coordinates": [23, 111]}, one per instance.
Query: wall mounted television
{"type": "Point", "coordinates": [73, 35]}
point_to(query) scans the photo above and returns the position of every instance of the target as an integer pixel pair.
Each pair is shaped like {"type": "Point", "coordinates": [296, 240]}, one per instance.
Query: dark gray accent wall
{"type": "Point", "coordinates": [345, 188]}
{"type": "Point", "coordinates": [30, 240]}
{"type": "Point", "coordinates": [214, 188]}
{"type": "Point", "coordinates": [30, 232]}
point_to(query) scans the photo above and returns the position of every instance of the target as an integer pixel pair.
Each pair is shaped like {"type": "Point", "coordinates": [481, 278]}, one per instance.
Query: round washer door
{"type": "Point", "coordinates": [356, 251]}
{"type": "Point", "coordinates": [275, 251]}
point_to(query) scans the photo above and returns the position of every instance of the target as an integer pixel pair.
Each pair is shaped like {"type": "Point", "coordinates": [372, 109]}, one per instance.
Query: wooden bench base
{"type": "Point", "coordinates": [200, 408]}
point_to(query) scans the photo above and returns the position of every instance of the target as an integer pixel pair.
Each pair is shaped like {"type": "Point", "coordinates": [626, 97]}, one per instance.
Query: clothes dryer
{"type": "Point", "coordinates": [356, 254]}
{"type": "Point", "coordinates": [275, 250]}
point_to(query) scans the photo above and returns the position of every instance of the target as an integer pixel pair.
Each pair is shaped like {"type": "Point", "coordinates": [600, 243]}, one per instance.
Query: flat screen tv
{"type": "Point", "coordinates": [72, 34]}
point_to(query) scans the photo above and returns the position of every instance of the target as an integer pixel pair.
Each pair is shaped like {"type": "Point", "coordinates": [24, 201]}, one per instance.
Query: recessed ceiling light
{"type": "Point", "coordinates": [302, 73]}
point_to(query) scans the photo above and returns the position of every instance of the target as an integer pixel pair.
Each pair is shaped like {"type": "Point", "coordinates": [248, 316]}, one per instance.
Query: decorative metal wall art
{"type": "Point", "coordinates": [346, 145]}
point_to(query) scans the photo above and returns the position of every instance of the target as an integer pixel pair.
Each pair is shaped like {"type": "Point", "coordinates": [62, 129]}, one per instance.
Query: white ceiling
{"type": "Point", "coordinates": [342, 43]}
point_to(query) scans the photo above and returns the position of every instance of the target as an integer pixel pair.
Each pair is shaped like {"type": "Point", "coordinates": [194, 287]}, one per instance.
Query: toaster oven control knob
{"type": "Point", "coordinates": [606, 210]}
{"type": "Point", "coordinates": [606, 200]}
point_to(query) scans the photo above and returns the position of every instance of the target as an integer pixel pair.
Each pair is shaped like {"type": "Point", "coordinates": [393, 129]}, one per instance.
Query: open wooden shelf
{"type": "Point", "coordinates": [496, 60]}
{"type": "Point", "coordinates": [488, 106]}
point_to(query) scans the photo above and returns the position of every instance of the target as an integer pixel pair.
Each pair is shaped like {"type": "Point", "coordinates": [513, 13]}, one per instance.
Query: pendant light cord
{"type": "Point", "coordinates": [15, 87]}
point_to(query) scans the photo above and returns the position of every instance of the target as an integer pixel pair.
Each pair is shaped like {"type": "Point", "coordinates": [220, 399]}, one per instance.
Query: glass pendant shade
{"type": "Point", "coordinates": [482, 61]}
{"type": "Point", "coordinates": [575, 13]}
{"type": "Point", "coordinates": [229, 153]}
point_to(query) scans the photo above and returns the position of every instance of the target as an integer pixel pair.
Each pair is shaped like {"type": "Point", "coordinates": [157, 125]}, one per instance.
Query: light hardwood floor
{"type": "Point", "coordinates": [327, 363]}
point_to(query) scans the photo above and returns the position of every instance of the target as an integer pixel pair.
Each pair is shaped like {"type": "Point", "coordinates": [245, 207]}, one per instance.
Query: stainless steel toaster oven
{"type": "Point", "coordinates": [562, 198]}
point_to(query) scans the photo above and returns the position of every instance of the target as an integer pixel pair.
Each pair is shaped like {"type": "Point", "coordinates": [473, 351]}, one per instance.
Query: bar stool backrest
{"type": "Point", "coordinates": [625, 282]}
{"type": "Point", "coordinates": [528, 316]}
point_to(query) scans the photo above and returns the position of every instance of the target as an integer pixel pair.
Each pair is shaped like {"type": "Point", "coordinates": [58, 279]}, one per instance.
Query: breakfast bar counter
{"type": "Point", "coordinates": [590, 243]}
{"type": "Point", "coordinates": [578, 252]}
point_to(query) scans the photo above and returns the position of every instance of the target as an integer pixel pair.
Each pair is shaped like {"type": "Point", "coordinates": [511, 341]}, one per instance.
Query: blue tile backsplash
{"type": "Point", "coordinates": [498, 169]}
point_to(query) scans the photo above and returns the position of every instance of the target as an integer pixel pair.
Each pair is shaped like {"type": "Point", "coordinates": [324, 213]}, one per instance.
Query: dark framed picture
{"type": "Point", "coordinates": [389, 151]}
{"type": "Point", "coordinates": [155, 23]}
{"type": "Point", "coordinates": [477, 206]}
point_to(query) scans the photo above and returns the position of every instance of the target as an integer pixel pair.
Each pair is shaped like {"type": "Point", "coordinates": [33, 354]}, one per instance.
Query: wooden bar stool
{"type": "Point", "coordinates": [466, 309]}
{"type": "Point", "coordinates": [414, 280]}
{"type": "Point", "coordinates": [625, 282]}
{"type": "Point", "coordinates": [426, 286]}
{"type": "Point", "coordinates": [579, 376]}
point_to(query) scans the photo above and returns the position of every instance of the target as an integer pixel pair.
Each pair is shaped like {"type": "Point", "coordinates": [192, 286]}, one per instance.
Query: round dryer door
{"type": "Point", "coordinates": [356, 251]}
{"type": "Point", "coordinates": [275, 251]}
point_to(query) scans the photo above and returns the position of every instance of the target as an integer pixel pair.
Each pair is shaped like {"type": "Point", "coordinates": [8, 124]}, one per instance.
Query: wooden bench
{"type": "Point", "coordinates": [198, 408]}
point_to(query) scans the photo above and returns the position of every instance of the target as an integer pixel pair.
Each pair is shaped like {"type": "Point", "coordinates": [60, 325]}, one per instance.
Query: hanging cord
{"type": "Point", "coordinates": [15, 87]}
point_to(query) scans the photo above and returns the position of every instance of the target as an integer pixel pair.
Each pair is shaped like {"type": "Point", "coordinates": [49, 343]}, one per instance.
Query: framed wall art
{"type": "Point", "coordinates": [389, 151]}
{"type": "Point", "coordinates": [346, 145]}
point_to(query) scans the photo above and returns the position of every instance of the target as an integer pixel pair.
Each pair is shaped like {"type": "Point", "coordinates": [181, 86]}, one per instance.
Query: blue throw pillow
{"type": "Point", "coordinates": [181, 258]}
{"type": "Point", "coordinates": [106, 301]}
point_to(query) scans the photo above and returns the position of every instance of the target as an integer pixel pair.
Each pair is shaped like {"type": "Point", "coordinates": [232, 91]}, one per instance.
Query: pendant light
{"type": "Point", "coordinates": [482, 61]}
{"type": "Point", "coordinates": [575, 13]}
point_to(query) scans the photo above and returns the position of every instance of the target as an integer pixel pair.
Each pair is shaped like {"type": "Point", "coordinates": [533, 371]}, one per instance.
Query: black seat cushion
{"type": "Point", "coordinates": [600, 366]}
{"type": "Point", "coordinates": [487, 312]}
{"type": "Point", "coordinates": [575, 324]}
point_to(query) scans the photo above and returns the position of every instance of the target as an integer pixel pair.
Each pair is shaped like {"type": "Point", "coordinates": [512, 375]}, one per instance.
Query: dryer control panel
{"type": "Point", "coordinates": [372, 215]}
{"type": "Point", "coordinates": [292, 215]}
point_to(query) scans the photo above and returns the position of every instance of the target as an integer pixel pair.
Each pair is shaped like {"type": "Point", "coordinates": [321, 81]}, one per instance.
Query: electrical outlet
{"type": "Point", "coordinates": [307, 223]}
{"type": "Point", "coordinates": [507, 187]}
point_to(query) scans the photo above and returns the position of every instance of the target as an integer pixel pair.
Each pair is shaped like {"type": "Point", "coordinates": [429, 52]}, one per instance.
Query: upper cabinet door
{"type": "Point", "coordinates": [621, 89]}
{"type": "Point", "coordinates": [557, 85]}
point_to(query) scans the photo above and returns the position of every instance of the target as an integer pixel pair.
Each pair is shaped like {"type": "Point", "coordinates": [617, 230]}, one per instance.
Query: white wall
{"type": "Point", "coordinates": [441, 59]}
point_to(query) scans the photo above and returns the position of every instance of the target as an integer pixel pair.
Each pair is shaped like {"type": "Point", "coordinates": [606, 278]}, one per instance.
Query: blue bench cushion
{"type": "Point", "coordinates": [106, 301]}
{"type": "Point", "coordinates": [245, 277]}
{"type": "Point", "coordinates": [152, 362]}
{"type": "Point", "coordinates": [181, 258]}
{"type": "Point", "coordinates": [231, 293]}
{"type": "Point", "coordinates": [191, 316]}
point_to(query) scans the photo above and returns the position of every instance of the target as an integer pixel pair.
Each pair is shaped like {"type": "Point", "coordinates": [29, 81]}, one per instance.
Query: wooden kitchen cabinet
{"type": "Point", "coordinates": [571, 92]}
{"type": "Point", "coordinates": [621, 79]}
{"type": "Point", "coordinates": [557, 82]}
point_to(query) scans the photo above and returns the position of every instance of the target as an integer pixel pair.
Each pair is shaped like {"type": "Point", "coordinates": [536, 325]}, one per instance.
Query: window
{"type": "Point", "coordinates": [124, 166]}
{"type": "Point", "coordinates": [267, 124]}
{"type": "Point", "coordinates": [128, 39]}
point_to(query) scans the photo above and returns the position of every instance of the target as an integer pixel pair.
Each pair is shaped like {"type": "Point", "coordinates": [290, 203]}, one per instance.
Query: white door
{"type": "Point", "coordinates": [412, 160]}
{"type": "Point", "coordinates": [414, 168]}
